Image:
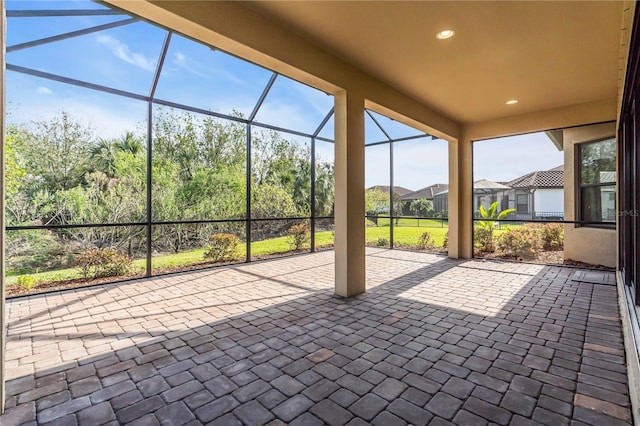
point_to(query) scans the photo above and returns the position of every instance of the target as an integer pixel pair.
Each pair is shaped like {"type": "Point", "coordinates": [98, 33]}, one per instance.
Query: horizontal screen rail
{"type": "Point", "coordinates": [157, 223]}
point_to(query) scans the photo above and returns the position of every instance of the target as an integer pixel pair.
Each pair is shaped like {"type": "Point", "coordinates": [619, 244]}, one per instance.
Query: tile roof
{"type": "Point", "coordinates": [399, 190]}
{"type": "Point", "coordinates": [541, 179]}
{"type": "Point", "coordinates": [488, 184]}
{"type": "Point", "coordinates": [426, 192]}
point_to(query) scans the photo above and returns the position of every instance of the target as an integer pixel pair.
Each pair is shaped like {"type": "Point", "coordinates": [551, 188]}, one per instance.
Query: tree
{"type": "Point", "coordinates": [58, 172]}
{"type": "Point", "coordinates": [376, 201]}
{"type": "Point", "coordinates": [14, 171]}
{"type": "Point", "coordinates": [398, 206]}
{"type": "Point", "coordinates": [55, 152]}
{"type": "Point", "coordinates": [325, 188]}
{"type": "Point", "coordinates": [103, 156]}
{"type": "Point", "coordinates": [130, 143]}
{"type": "Point", "coordinates": [271, 201]}
{"type": "Point", "coordinates": [421, 207]}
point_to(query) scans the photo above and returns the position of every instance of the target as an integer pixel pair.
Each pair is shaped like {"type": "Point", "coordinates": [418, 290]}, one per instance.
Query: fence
{"type": "Point", "coordinates": [410, 221]}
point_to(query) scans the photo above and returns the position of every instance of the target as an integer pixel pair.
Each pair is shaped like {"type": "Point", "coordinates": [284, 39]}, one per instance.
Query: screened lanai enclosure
{"type": "Point", "coordinates": [134, 151]}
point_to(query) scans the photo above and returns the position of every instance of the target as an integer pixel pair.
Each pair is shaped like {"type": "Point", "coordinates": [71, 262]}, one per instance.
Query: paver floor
{"type": "Point", "coordinates": [433, 341]}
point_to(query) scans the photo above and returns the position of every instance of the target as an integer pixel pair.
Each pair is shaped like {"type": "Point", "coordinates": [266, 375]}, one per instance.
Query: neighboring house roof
{"type": "Point", "coordinates": [399, 190]}
{"type": "Point", "coordinates": [540, 179]}
{"type": "Point", "coordinates": [485, 184]}
{"type": "Point", "coordinates": [426, 193]}
{"type": "Point", "coordinates": [560, 168]}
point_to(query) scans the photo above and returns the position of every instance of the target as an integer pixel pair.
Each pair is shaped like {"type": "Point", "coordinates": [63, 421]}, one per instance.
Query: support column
{"type": "Point", "coordinates": [349, 197]}
{"type": "Point", "coordinates": [3, 341]}
{"type": "Point", "coordinates": [460, 198]}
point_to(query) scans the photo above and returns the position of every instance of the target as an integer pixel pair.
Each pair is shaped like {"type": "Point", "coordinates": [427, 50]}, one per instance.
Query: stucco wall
{"type": "Point", "coordinates": [592, 245]}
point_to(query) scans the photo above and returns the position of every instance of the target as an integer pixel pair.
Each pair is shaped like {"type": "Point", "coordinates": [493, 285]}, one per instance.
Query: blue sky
{"type": "Point", "coordinates": [126, 57]}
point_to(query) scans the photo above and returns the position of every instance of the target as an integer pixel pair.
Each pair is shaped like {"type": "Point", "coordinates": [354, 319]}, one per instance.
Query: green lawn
{"type": "Point", "coordinates": [422, 223]}
{"type": "Point", "coordinates": [186, 258]}
{"type": "Point", "coordinates": [403, 236]}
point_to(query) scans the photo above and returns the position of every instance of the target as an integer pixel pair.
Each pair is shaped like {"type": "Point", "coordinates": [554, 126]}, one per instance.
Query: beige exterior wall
{"type": "Point", "coordinates": [591, 245]}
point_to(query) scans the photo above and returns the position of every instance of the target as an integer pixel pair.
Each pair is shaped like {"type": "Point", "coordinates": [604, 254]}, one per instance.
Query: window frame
{"type": "Point", "coordinates": [580, 186]}
{"type": "Point", "coordinates": [526, 204]}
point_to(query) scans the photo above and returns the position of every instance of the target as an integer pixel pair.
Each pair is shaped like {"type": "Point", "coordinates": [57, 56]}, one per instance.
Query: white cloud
{"type": "Point", "coordinates": [203, 71]}
{"type": "Point", "coordinates": [289, 116]}
{"type": "Point", "coordinates": [180, 58]}
{"type": "Point", "coordinates": [122, 51]}
{"type": "Point", "coordinates": [44, 90]}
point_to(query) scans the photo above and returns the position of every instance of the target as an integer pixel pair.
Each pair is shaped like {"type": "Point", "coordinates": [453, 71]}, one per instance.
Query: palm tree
{"type": "Point", "coordinates": [129, 144]}
{"type": "Point", "coordinates": [484, 238]}
{"type": "Point", "coordinates": [324, 189]}
{"type": "Point", "coordinates": [103, 156]}
{"type": "Point", "coordinates": [302, 186]}
{"type": "Point", "coordinates": [490, 215]}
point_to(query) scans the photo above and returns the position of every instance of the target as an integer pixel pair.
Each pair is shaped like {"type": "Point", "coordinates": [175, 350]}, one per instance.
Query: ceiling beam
{"type": "Point", "coordinates": [550, 119]}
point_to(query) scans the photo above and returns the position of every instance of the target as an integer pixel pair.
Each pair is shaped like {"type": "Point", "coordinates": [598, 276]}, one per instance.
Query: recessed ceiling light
{"type": "Point", "coordinates": [445, 34]}
{"type": "Point", "coordinates": [512, 102]}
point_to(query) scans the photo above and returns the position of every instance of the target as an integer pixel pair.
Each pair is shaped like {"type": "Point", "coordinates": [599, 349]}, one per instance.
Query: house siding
{"type": "Point", "coordinates": [548, 200]}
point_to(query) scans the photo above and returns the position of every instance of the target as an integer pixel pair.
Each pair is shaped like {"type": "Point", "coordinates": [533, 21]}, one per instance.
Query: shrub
{"type": "Point", "coordinates": [483, 239]}
{"type": "Point", "coordinates": [222, 247]}
{"type": "Point", "coordinates": [426, 241]}
{"type": "Point", "coordinates": [382, 242]}
{"type": "Point", "coordinates": [26, 281]}
{"type": "Point", "coordinates": [445, 241]}
{"type": "Point", "coordinates": [100, 263]}
{"type": "Point", "coordinates": [30, 250]}
{"type": "Point", "coordinates": [552, 236]}
{"type": "Point", "coordinates": [299, 235]}
{"type": "Point", "coordinates": [522, 242]}
{"type": "Point", "coordinates": [483, 232]}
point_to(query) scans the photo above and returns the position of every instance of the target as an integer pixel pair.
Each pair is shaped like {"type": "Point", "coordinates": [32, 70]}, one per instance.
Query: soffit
{"type": "Point", "coordinates": [545, 54]}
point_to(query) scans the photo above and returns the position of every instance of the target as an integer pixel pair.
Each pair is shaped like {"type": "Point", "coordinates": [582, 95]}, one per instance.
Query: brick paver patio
{"type": "Point", "coordinates": [434, 341]}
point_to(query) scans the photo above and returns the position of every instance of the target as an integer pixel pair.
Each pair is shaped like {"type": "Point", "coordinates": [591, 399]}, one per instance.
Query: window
{"type": "Point", "coordinates": [522, 203]}
{"type": "Point", "coordinates": [597, 183]}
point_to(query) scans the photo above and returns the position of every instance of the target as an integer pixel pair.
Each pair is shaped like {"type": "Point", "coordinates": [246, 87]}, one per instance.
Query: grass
{"type": "Point", "coordinates": [422, 223]}
{"type": "Point", "coordinates": [407, 235]}
{"type": "Point", "coordinates": [403, 235]}
{"type": "Point", "coordinates": [185, 258]}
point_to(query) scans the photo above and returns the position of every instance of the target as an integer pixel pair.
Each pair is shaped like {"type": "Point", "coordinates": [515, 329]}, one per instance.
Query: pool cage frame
{"type": "Point", "coordinates": [151, 100]}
